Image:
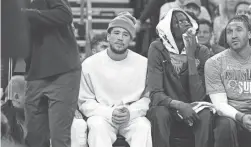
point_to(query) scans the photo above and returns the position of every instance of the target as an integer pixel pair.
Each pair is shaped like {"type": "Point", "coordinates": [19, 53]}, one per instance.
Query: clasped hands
{"type": "Point", "coordinates": [120, 115]}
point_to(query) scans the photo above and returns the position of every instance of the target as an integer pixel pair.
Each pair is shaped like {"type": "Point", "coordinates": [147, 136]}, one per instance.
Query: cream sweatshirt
{"type": "Point", "coordinates": [106, 83]}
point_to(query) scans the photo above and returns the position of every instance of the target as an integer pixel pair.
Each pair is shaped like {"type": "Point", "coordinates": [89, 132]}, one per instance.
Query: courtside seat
{"type": "Point", "coordinates": [181, 136]}
{"type": "Point", "coordinates": [120, 142]}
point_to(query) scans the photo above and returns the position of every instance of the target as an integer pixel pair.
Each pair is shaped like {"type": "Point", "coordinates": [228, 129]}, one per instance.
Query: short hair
{"type": "Point", "coordinates": [98, 38]}
{"type": "Point", "coordinates": [240, 3]}
{"type": "Point", "coordinates": [241, 18]}
{"type": "Point", "coordinates": [206, 22]}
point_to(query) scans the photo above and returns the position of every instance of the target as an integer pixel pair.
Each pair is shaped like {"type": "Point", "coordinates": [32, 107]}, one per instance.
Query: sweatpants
{"type": "Point", "coordinates": [162, 119]}
{"type": "Point", "coordinates": [103, 133]}
{"type": "Point", "coordinates": [49, 109]}
{"type": "Point", "coordinates": [79, 133]}
{"type": "Point", "coordinates": [229, 133]}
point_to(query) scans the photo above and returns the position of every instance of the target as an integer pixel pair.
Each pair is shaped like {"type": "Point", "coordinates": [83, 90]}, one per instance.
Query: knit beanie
{"type": "Point", "coordinates": [124, 20]}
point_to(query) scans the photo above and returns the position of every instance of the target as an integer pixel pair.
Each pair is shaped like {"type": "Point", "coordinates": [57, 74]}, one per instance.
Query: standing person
{"type": "Point", "coordinates": [15, 39]}
{"type": "Point", "coordinates": [228, 82]}
{"type": "Point", "coordinates": [53, 74]}
{"type": "Point", "coordinates": [175, 79]}
{"type": "Point", "coordinates": [112, 90]}
{"type": "Point", "coordinates": [151, 11]}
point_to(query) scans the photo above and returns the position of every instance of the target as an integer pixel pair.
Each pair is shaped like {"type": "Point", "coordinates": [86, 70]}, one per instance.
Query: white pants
{"type": "Point", "coordinates": [103, 133]}
{"type": "Point", "coordinates": [78, 133]}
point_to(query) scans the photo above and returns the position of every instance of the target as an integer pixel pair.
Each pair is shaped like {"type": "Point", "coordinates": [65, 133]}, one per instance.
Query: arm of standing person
{"type": "Point", "coordinates": [59, 13]}
{"type": "Point", "coordinates": [140, 107]}
{"type": "Point", "coordinates": [151, 7]}
{"type": "Point", "coordinates": [87, 99]}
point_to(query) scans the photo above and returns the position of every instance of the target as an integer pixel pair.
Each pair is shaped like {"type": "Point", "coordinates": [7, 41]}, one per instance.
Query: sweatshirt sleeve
{"type": "Point", "coordinates": [197, 81]}
{"type": "Point", "coordinates": [59, 13]}
{"type": "Point", "coordinates": [87, 100]}
{"type": "Point", "coordinates": [140, 107]}
{"type": "Point", "coordinates": [155, 76]}
{"type": "Point", "coordinates": [151, 7]}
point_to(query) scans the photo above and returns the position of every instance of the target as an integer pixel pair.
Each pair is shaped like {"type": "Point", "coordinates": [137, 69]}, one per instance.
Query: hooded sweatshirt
{"type": "Point", "coordinates": [106, 84]}
{"type": "Point", "coordinates": [168, 74]}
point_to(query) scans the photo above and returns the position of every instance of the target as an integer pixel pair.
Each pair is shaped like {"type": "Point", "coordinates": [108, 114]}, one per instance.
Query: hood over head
{"type": "Point", "coordinates": [164, 30]}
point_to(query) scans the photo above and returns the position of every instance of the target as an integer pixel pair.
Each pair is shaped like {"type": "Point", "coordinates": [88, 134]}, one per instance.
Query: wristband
{"type": "Point", "coordinates": [242, 118]}
{"type": "Point", "coordinates": [239, 117]}
{"type": "Point", "coordinates": [168, 105]}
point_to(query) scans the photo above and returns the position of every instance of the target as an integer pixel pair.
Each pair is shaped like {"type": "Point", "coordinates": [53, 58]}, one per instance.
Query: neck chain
{"type": "Point", "coordinates": [241, 60]}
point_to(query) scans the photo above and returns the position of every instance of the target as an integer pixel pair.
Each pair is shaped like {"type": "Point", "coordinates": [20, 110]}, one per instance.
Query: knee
{"type": "Point", "coordinates": [96, 123]}
{"type": "Point", "coordinates": [225, 125]}
{"type": "Point", "coordinates": [205, 116]}
{"type": "Point", "coordinates": [159, 113]}
{"type": "Point", "coordinates": [79, 131]}
{"type": "Point", "coordinates": [143, 124]}
{"type": "Point", "coordinates": [79, 124]}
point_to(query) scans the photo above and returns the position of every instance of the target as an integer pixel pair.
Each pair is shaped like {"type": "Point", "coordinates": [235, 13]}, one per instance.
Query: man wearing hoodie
{"type": "Point", "coordinates": [175, 79]}
{"type": "Point", "coordinates": [116, 101]}
{"type": "Point", "coordinates": [53, 74]}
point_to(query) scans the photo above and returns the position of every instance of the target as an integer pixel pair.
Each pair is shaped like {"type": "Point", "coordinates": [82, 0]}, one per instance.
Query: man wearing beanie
{"type": "Point", "coordinates": [112, 93]}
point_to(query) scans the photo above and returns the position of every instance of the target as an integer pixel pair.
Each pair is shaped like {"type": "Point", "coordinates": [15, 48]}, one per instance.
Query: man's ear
{"type": "Point", "coordinates": [108, 37]}
{"type": "Point", "coordinates": [16, 96]}
{"type": "Point", "coordinates": [249, 34]}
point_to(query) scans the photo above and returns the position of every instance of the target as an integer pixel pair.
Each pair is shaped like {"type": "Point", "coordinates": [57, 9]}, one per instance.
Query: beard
{"type": "Point", "coordinates": [240, 47]}
{"type": "Point", "coordinates": [114, 50]}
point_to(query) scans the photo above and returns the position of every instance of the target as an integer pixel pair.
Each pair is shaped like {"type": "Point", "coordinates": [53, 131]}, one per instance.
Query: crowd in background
{"type": "Point", "coordinates": [212, 16]}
